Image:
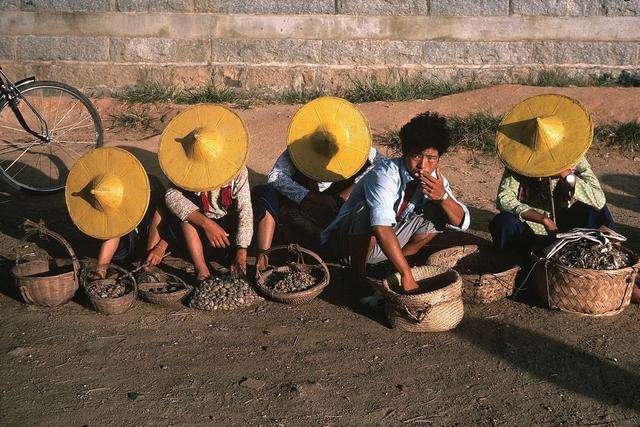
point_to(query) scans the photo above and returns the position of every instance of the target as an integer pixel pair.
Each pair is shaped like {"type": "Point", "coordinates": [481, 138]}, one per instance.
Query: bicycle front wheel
{"type": "Point", "coordinates": [73, 128]}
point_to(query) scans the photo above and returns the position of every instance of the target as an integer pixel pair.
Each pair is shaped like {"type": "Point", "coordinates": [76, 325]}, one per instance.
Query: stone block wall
{"type": "Point", "coordinates": [275, 45]}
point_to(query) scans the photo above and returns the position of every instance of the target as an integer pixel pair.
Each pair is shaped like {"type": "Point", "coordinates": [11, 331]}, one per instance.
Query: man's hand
{"type": "Point", "coordinates": [432, 187]}
{"type": "Point", "coordinates": [409, 285]}
{"type": "Point", "coordinates": [155, 255]}
{"type": "Point", "coordinates": [216, 235]}
{"type": "Point", "coordinates": [240, 263]}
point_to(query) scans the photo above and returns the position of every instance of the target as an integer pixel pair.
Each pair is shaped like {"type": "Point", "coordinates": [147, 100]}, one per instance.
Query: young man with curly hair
{"type": "Point", "coordinates": [399, 205]}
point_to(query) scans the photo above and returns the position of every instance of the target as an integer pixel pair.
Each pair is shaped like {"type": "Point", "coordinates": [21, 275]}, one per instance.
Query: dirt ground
{"type": "Point", "coordinates": [329, 362]}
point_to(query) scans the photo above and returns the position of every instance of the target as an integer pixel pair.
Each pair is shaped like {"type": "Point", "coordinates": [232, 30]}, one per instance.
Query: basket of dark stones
{"type": "Point", "coordinates": [226, 291]}
{"type": "Point", "coordinates": [291, 274]}
{"type": "Point", "coordinates": [163, 288]}
{"type": "Point", "coordinates": [116, 293]}
{"type": "Point", "coordinates": [586, 277]}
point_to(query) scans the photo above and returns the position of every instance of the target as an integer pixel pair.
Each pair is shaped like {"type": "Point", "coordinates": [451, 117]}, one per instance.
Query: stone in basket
{"type": "Point", "coordinates": [169, 291]}
{"type": "Point", "coordinates": [300, 276]}
{"type": "Point", "coordinates": [582, 290]}
{"type": "Point", "coordinates": [438, 308]}
{"type": "Point", "coordinates": [41, 282]}
{"type": "Point", "coordinates": [487, 274]}
{"type": "Point", "coordinates": [114, 295]}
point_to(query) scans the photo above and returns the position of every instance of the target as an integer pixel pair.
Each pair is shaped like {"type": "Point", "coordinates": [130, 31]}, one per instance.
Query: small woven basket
{"type": "Point", "coordinates": [168, 299]}
{"type": "Point", "coordinates": [584, 291]}
{"type": "Point", "coordinates": [35, 280]}
{"type": "Point", "coordinates": [117, 305]}
{"type": "Point", "coordinates": [435, 311]}
{"type": "Point", "coordinates": [297, 253]}
{"type": "Point", "coordinates": [487, 276]}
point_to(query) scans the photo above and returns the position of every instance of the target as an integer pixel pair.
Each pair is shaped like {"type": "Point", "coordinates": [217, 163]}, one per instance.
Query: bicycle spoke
{"type": "Point", "coordinates": [19, 157]}
{"type": "Point", "coordinates": [24, 165]}
{"type": "Point", "coordinates": [66, 114]}
{"type": "Point", "coordinates": [64, 148]}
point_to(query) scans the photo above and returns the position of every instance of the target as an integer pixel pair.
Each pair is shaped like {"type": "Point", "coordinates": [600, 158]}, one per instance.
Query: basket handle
{"type": "Point", "coordinates": [291, 247]}
{"type": "Point", "coordinates": [125, 273]}
{"type": "Point", "coordinates": [419, 314]}
{"type": "Point", "coordinates": [32, 228]}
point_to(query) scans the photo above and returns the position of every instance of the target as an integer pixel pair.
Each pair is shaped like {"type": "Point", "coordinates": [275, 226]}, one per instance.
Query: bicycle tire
{"type": "Point", "coordinates": [74, 126]}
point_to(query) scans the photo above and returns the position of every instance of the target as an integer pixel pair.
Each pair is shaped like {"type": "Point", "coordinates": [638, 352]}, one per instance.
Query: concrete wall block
{"type": "Point", "coordinates": [557, 7]}
{"type": "Point", "coordinates": [9, 4]}
{"type": "Point", "coordinates": [469, 8]}
{"type": "Point", "coordinates": [562, 53]}
{"type": "Point", "coordinates": [87, 49]}
{"type": "Point", "coordinates": [621, 7]}
{"type": "Point", "coordinates": [382, 7]}
{"type": "Point", "coordinates": [476, 53]}
{"type": "Point", "coordinates": [267, 51]}
{"type": "Point", "coordinates": [154, 5]}
{"type": "Point", "coordinates": [70, 5]}
{"type": "Point", "coordinates": [267, 7]}
{"type": "Point", "coordinates": [8, 47]}
{"type": "Point", "coordinates": [371, 52]}
{"type": "Point", "coordinates": [159, 50]}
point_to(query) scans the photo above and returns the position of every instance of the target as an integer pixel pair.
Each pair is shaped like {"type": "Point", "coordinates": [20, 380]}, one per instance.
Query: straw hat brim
{"type": "Point", "coordinates": [329, 139]}
{"type": "Point", "coordinates": [544, 135]}
{"type": "Point", "coordinates": [122, 204]}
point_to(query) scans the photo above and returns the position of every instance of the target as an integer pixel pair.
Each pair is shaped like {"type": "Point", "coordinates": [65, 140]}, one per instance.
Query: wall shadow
{"type": "Point", "coordinates": [554, 361]}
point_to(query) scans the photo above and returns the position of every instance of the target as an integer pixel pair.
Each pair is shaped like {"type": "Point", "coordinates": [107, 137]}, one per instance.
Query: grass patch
{"type": "Point", "coordinates": [624, 135]}
{"type": "Point", "coordinates": [560, 78]}
{"type": "Point", "coordinates": [132, 120]}
{"type": "Point", "coordinates": [212, 94]}
{"type": "Point", "coordinates": [369, 89]}
{"type": "Point", "coordinates": [293, 96]}
{"type": "Point", "coordinates": [148, 93]}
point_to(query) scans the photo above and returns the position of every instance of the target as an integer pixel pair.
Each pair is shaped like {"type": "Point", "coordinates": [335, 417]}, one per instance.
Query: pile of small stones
{"type": "Point", "coordinates": [592, 255]}
{"type": "Point", "coordinates": [224, 292]}
{"type": "Point", "coordinates": [294, 279]}
{"type": "Point", "coordinates": [107, 290]}
{"type": "Point", "coordinates": [166, 289]}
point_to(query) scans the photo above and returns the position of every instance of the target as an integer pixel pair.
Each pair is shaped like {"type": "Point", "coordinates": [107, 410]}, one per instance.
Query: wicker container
{"type": "Point", "coordinates": [487, 274]}
{"type": "Point", "coordinates": [302, 257]}
{"type": "Point", "coordinates": [169, 299]}
{"type": "Point", "coordinates": [42, 283]}
{"type": "Point", "coordinates": [584, 291]}
{"type": "Point", "coordinates": [117, 305]}
{"type": "Point", "coordinates": [438, 310]}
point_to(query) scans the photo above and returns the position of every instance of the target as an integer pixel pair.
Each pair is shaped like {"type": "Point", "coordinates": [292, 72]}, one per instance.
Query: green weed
{"type": "Point", "coordinates": [132, 120]}
{"type": "Point", "coordinates": [625, 135]}
{"type": "Point", "coordinates": [151, 92]}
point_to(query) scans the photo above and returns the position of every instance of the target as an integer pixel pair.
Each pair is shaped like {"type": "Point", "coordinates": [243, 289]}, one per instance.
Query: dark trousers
{"type": "Point", "coordinates": [509, 233]}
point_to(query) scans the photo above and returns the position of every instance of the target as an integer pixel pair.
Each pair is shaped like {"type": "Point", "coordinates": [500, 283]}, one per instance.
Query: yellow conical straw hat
{"type": "Point", "coordinates": [204, 147]}
{"type": "Point", "coordinates": [107, 193]}
{"type": "Point", "coordinates": [329, 139]}
{"type": "Point", "coordinates": [544, 135]}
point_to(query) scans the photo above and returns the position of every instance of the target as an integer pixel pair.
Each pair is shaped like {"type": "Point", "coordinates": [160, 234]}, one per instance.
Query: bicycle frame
{"type": "Point", "coordinates": [12, 93]}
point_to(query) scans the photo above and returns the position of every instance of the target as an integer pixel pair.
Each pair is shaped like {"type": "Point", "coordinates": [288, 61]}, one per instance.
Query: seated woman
{"type": "Point", "coordinates": [203, 151]}
{"type": "Point", "coordinates": [547, 186]}
{"type": "Point", "coordinates": [216, 224]}
{"type": "Point", "coordinates": [317, 172]}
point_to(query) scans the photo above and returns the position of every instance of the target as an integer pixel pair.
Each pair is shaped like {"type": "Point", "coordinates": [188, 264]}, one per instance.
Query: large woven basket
{"type": "Point", "coordinates": [487, 275]}
{"type": "Point", "coordinates": [302, 257]}
{"type": "Point", "coordinates": [169, 299]}
{"type": "Point", "coordinates": [435, 311]}
{"type": "Point", "coordinates": [117, 305]}
{"type": "Point", "coordinates": [37, 282]}
{"type": "Point", "coordinates": [584, 291]}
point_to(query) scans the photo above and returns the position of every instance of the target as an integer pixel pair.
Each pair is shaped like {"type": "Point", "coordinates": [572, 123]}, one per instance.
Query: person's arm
{"type": "Point", "coordinates": [437, 189]}
{"type": "Point", "coordinates": [380, 195]}
{"type": "Point", "coordinates": [541, 218]}
{"type": "Point", "coordinates": [156, 245]}
{"type": "Point", "coordinates": [587, 188]}
{"type": "Point", "coordinates": [245, 220]}
{"type": "Point", "coordinates": [281, 179]}
{"type": "Point", "coordinates": [507, 198]}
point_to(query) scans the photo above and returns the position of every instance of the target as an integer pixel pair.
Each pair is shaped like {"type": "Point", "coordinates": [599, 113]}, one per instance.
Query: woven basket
{"type": "Point", "coordinates": [170, 299]}
{"type": "Point", "coordinates": [435, 311]}
{"type": "Point", "coordinates": [487, 276]}
{"type": "Point", "coordinates": [295, 253]}
{"type": "Point", "coordinates": [37, 283]}
{"type": "Point", "coordinates": [113, 305]}
{"type": "Point", "coordinates": [584, 291]}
